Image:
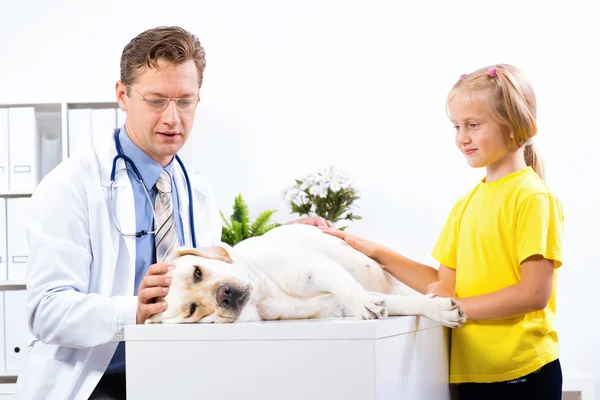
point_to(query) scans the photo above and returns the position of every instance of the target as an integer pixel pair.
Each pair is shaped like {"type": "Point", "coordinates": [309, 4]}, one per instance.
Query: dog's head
{"type": "Point", "coordinates": [207, 287]}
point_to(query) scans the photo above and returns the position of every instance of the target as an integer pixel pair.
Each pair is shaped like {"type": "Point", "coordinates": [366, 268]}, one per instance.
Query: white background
{"type": "Point", "coordinates": [292, 87]}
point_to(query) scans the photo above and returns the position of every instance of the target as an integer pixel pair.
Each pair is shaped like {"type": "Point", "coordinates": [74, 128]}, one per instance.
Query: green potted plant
{"type": "Point", "coordinates": [238, 226]}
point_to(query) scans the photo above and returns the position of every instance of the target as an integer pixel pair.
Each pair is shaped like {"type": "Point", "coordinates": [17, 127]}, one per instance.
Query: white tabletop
{"type": "Point", "coordinates": [331, 328]}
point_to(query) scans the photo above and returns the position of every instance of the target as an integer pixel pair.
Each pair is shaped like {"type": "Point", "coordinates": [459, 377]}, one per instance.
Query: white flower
{"type": "Point", "coordinates": [335, 186]}
{"type": "Point", "coordinates": [347, 185]}
{"type": "Point", "coordinates": [304, 185]}
{"type": "Point", "coordinates": [291, 195]}
{"type": "Point", "coordinates": [301, 197]}
{"type": "Point", "coordinates": [339, 176]}
{"type": "Point", "coordinates": [314, 190]}
{"type": "Point", "coordinates": [323, 190]}
{"type": "Point", "coordinates": [310, 179]}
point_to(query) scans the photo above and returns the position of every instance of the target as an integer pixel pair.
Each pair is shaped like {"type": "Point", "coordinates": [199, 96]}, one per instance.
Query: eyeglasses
{"type": "Point", "coordinates": [161, 103]}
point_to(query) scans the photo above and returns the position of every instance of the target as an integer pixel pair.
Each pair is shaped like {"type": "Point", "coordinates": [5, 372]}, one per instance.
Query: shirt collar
{"type": "Point", "coordinates": [149, 169]}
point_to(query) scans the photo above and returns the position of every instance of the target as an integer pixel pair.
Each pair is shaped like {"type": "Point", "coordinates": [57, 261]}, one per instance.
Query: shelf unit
{"type": "Point", "coordinates": [51, 148]}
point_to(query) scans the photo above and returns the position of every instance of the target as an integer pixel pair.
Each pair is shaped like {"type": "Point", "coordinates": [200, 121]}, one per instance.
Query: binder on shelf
{"type": "Point", "coordinates": [2, 330]}
{"type": "Point", "coordinates": [3, 257]}
{"type": "Point", "coordinates": [17, 335]}
{"type": "Point", "coordinates": [22, 148]}
{"type": "Point", "coordinates": [17, 249]}
{"type": "Point", "coordinates": [79, 128]}
{"type": "Point", "coordinates": [4, 167]}
{"type": "Point", "coordinates": [104, 121]}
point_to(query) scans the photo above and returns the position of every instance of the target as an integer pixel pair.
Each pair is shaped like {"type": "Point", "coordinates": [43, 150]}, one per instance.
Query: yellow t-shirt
{"type": "Point", "coordinates": [487, 236]}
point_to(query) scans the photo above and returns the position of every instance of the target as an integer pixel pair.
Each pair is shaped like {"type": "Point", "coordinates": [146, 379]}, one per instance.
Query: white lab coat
{"type": "Point", "coordinates": [80, 277]}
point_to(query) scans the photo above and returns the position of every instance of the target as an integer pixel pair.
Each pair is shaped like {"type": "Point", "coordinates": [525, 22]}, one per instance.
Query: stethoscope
{"type": "Point", "coordinates": [131, 164]}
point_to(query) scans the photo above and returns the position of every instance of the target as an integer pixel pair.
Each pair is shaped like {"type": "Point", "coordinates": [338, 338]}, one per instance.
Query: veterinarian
{"type": "Point", "coordinates": [499, 249]}
{"type": "Point", "coordinates": [102, 223]}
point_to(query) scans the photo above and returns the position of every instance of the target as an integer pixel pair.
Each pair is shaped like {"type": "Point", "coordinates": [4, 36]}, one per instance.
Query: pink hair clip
{"type": "Point", "coordinates": [492, 72]}
{"type": "Point", "coordinates": [462, 76]}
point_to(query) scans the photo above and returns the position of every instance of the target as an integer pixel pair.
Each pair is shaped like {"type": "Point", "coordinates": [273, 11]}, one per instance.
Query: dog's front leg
{"type": "Point", "coordinates": [439, 309]}
{"type": "Point", "coordinates": [329, 277]}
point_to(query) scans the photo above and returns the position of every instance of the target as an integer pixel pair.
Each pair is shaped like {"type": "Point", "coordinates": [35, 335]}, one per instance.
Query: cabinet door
{"type": "Point", "coordinates": [17, 336]}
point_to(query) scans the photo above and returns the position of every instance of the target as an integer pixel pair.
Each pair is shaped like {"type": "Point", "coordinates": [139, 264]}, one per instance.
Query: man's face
{"type": "Point", "coordinates": [160, 133]}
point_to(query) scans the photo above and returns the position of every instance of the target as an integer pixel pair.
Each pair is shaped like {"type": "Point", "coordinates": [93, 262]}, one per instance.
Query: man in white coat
{"type": "Point", "coordinates": [96, 244]}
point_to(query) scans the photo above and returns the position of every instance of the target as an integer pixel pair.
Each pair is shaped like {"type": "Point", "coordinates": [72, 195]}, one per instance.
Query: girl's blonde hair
{"type": "Point", "coordinates": [511, 100]}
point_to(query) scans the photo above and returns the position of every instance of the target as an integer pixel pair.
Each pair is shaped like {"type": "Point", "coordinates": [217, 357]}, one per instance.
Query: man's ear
{"type": "Point", "coordinates": [214, 253]}
{"type": "Point", "coordinates": [121, 94]}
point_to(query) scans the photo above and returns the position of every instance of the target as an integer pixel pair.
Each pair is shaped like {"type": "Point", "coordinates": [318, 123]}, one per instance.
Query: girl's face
{"type": "Point", "coordinates": [479, 137]}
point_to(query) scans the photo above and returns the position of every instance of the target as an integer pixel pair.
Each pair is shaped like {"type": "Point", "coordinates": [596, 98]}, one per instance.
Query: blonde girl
{"type": "Point", "coordinates": [499, 249]}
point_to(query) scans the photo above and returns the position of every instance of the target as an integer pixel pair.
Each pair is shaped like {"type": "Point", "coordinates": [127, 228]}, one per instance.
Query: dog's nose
{"type": "Point", "coordinates": [226, 297]}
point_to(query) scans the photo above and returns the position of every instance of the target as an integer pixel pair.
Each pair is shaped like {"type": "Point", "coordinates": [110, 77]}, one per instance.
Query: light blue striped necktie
{"type": "Point", "coordinates": [165, 239]}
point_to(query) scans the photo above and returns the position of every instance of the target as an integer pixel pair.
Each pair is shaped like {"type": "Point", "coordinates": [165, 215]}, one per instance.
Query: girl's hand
{"type": "Point", "coordinates": [364, 246]}
{"type": "Point", "coordinates": [440, 289]}
{"type": "Point", "coordinates": [315, 221]}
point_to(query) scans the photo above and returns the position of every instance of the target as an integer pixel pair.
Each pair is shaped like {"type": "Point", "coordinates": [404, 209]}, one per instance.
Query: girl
{"type": "Point", "coordinates": [499, 248]}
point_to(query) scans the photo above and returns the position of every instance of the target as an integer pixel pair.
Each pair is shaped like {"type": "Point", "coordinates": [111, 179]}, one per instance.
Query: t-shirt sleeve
{"type": "Point", "coordinates": [445, 249]}
{"type": "Point", "coordinates": [540, 227]}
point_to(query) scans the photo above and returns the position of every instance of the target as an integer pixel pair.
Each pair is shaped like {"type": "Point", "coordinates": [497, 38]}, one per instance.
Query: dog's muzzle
{"type": "Point", "coordinates": [232, 297]}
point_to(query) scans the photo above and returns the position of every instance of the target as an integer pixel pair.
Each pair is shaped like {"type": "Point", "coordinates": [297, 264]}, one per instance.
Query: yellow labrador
{"type": "Point", "coordinates": [291, 272]}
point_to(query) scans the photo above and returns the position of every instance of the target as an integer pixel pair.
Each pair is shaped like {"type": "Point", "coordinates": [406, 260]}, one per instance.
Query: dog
{"type": "Point", "coordinates": [291, 272]}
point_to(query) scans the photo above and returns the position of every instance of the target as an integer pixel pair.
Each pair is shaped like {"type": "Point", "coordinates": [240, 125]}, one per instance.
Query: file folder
{"type": "Point", "coordinates": [4, 167]}
{"type": "Point", "coordinates": [17, 249]}
{"type": "Point", "coordinates": [2, 330]}
{"type": "Point", "coordinates": [3, 257]}
{"type": "Point", "coordinates": [23, 149]}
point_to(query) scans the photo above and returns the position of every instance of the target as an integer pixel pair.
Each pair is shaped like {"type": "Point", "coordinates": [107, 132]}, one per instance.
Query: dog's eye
{"type": "Point", "coordinates": [197, 275]}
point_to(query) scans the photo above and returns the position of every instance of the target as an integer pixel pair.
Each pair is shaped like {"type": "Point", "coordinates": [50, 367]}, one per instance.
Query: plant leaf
{"type": "Point", "coordinates": [261, 221]}
{"type": "Point", "coordinates": [241, 215]}
{"type": "Point", "coordinates": [227, 224]}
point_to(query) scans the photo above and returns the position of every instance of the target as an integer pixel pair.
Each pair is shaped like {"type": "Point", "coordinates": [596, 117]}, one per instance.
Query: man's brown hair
{"type": "Point", "coordinates": [169, 43]}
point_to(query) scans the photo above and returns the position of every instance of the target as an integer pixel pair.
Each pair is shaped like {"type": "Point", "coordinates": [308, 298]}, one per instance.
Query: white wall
{"type": "Point", "coordinates": [291, 87]}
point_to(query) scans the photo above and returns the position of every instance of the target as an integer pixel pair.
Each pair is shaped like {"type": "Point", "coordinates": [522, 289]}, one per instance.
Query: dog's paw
{"type": "Point", "coordinates": [446, 311]}
{"type": "Point", "coordinates": [368, 306]}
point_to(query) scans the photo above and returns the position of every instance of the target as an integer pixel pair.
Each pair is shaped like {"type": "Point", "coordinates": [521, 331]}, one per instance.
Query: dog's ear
{"type": "Point", "coordinates": [214, 253]}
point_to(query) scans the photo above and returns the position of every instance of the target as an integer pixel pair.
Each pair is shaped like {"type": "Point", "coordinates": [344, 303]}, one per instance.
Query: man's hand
{"type": "Point", "coordinates": [364, 246]}
{"type": "Point", "coordinates": [440, 289]}
{"type": "Point", "coordinates": [154, 285]}
{"type": "Point", "coordinates": [314, 221]}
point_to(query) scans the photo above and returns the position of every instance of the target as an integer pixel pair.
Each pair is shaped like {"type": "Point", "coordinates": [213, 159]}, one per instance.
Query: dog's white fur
{"type": "Point", "coordinates": [291, 272]}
